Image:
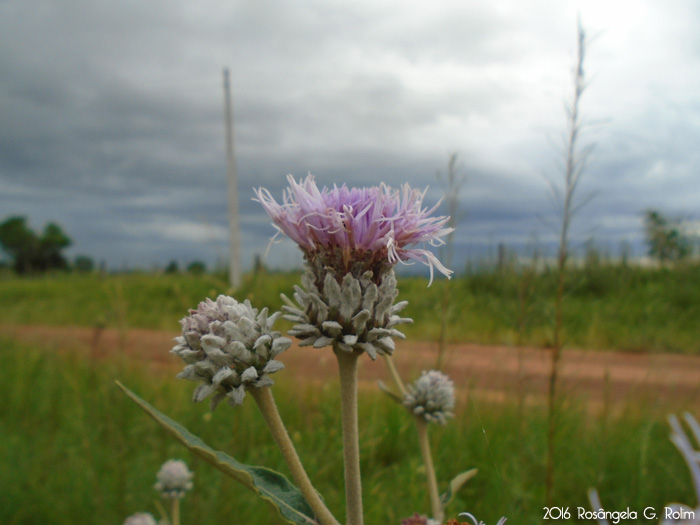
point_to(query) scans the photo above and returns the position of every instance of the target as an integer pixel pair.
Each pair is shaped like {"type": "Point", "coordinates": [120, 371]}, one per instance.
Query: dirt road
{"type": "Point", "coordinates": [490, 372]}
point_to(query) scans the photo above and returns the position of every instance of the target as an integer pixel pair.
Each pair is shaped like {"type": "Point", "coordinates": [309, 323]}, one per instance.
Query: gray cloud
{"type": "Point", "coordinates": [113, 127]}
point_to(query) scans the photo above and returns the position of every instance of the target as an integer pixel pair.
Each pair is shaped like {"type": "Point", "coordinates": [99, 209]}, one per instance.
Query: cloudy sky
{"type": "Point", "coordinates": [111, 115]}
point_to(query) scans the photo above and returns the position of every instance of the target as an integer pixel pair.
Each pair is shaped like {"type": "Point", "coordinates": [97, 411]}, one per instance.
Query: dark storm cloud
{"type": "Point", "coordinates": [112, 115]}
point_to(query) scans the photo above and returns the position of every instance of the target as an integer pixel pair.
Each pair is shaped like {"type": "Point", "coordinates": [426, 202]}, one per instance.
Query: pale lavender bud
{"type": "Point", "coordinates": [174, 479]}
{"type": "Point", "coordinates": [229, 347]}
{"type": "Point", "coordinates": [140, 518]}
{"type": "Point", "coordinates": [431, 396]}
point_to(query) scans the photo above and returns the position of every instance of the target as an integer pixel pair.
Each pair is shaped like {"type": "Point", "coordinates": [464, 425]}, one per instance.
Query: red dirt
{"type": "Point", "coordinates": [490, 372]}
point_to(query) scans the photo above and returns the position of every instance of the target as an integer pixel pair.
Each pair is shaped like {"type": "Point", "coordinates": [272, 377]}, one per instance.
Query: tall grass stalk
{"type": "Point", "coordinates": [454, 184]}
{"type": "Point", "coordinates": [575, 164]}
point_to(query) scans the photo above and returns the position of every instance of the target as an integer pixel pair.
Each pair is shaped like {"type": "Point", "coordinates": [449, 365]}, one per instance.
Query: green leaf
{"type": "Point", "coordinates": [389, 393]}
{"type": "Point", "coordinates": [455, 485]}
{"type": "Point", "coordinates": [272, 486]}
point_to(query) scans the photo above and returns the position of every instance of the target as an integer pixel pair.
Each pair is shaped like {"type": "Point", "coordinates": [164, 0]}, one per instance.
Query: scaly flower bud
{"type": "Point", "coordinates": [431, 396]}
{"type": "Point", "coordinates": [229, 347]}
{"type": "Point", "coordinates": [174, 479]}
{"type": "Point", "coordinates": [355, 315]}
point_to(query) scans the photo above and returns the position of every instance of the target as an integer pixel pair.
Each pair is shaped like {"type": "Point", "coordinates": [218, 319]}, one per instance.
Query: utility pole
{"type": "Point", "coordinates": [234, 233]}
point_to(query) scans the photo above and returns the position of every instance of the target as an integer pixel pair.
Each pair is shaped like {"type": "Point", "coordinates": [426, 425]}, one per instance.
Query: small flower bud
{"type": "Point", "coordinates": [431, 396]}
{"type": "Point", "coordinates": [229, 347]}
{"type": "Point", "coordinates": [174, 479]}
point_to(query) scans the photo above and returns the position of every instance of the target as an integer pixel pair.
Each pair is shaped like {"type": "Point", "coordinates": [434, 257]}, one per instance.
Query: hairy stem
{"type": "Point", "coordinates": [347, 365]}
{"type": "Point", "coordinates": [435, 504]}
{"type": "Point", "coordinates": [266, 403]}
{"type": "Point", "coordinates": [175, 511]}
{"type": "Point", "coordinates": [389, 359]}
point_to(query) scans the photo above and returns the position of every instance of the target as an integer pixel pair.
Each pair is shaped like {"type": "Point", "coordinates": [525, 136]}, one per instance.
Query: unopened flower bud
{"type": "Point", "coordinates": [174, 479]}
{"type": "Point", "coordinates": [229, 347]}
{"type": "Point", "coordinates": [431, 396]}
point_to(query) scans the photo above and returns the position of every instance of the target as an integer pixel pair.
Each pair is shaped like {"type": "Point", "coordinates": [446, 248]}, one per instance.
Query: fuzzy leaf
{"type": "Point", "coordinates": [370, 349]}
{"type": "Point", "coordinates": [389, 393]}
{"type": "Point", "coordinates": [272, 486]}
{"type": "Point", "coordinates": [263, 339]}
{"type": "Point", "coordinates": [398, 307]}
{"type": "Point", "coordinates": [320, 308]}
{"type": "Point", "coordinates": [262, 318]}
{"type": "Point", "coordinates": [457, 482]}
{"type": "Point", "coordinates": [369, 298]}
{"type": "Point", "coordinates": [331, 292]}
{"type": "Point", "coordinates": [249, 374]}
{"type": "Point", "coordinates": [279, 345]}
{"type": "Point", "coordinates": [308, 281]}
{"type": "Point", "coordinates": [333, 328]}
{"type": "Point", "coordinates": [351, 297]}
{"type": "Point", "coordinates": [273, 366]}
{"type": "Point", "coordinates": [359, 322]}
{"type": "Point", "coordinates": [323, 341]}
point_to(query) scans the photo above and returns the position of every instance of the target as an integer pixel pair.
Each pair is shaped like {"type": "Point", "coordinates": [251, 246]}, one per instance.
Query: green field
{"type": "Point", "coordinates": [606, 307]}
{"type": "Point", "coordinates": [74, 449]}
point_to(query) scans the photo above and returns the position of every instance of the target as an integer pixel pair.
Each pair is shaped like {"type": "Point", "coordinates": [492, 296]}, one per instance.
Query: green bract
{"type": "Point", "coordinates": [355, 315]}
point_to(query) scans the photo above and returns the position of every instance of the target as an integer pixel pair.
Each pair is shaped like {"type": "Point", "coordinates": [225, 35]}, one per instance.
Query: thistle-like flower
{"type": "Point", "coordinates": [357, 230]}
{"type": "Point", "coordinates": [431, 396]}
{"type": "Point", "coordinates": [351, 240]}
{"type": "Point", "coordinates": [140, 518]}
{"type": "Point", "coordinates": [229, 347]}
{"type": "Point", "coordinates": [174, 479]}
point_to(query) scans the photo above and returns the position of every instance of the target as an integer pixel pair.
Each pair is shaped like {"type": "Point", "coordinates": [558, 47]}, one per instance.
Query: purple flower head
{"type": "Point", "coordinates": [378, 225]}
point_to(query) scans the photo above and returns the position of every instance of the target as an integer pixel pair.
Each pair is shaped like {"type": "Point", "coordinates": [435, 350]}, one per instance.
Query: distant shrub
{"type": "Point", "coordinates": [83, 264]}
{"type": "Point", "coordinates": [197, 268]}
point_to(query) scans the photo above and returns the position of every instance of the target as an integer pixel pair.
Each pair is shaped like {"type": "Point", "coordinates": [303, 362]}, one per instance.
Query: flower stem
{"type": "Point", "coordinates": [175, 511]}
{"type": "Point", "coordinates": [266, 403]}
{"type": "Point", "coordinates": [389, 359]}
{"type": "Point", "coordinates": [435, 504]}
{"type": "Point", "coordinates": [347, 365]}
